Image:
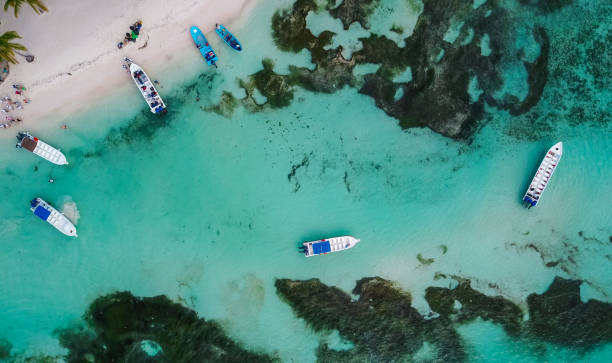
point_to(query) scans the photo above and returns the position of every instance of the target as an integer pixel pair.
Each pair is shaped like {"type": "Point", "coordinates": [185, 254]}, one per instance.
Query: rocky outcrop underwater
{"type": "Point", "coordinates": [123, 328]}
{"type": "Point", "coordinates": [442, 70]}
{"type": "Point", "coordinates": [384, 326]}
{"type": "Point", "coordinates": [466, 60]}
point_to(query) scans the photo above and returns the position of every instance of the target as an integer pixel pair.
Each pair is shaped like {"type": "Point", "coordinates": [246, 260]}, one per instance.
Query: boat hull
{"type": "Point", "coordinates": [228, 38]}
{"type": "Point", "coordinates": [40, 148]}
{"type": "Point", "coordinates": [543, 175]}
{"type": "Point", "coordinates": [147, 89]}
{"type": "Point", "coordinates": [328, 245]}
{"type": "Point", "coordinates": [47, 213]}
{"type": "Point", "coordinates": [203, 46]}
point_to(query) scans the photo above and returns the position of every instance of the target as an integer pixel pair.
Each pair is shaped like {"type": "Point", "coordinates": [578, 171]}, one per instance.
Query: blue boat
{"type": "Point", "coordinates": [228, 38]}
{"type": "Point", "coordinates": [200, 40]}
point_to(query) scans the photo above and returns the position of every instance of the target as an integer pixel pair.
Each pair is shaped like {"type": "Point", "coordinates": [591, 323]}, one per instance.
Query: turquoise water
{"type": "Point", "coordinates": [204, 209]}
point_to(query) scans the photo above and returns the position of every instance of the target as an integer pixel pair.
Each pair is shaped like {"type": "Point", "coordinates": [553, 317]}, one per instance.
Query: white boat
{"type": "Point", "coordinates": [46, 212]}
{"type": "Point", "coordinates": [542, 176]}
{"type": "Point", "coordinates": [44, 150]}
{"type": "Point", "coordinates": [328, 245]}
{"type": "Point", "coordinates": [146, 87]}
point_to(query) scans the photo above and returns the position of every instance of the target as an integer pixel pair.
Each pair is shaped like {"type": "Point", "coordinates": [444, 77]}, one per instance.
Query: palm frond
{"type": "Point", "coordinates": [38, 6]}
{"type": "Point", "coordinates": [15, 4]}
{"type": "Point", "coordinates": [8, 48]}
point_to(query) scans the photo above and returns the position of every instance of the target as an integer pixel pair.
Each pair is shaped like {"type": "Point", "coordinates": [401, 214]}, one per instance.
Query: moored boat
{"type": "Point", "coordinates": [202, 44]}
{"type": "Point", "coordinates": [46, 212]}
{"type": "Point", "coordinates": [542, 176]}
{"type": "Point", "coordinates": [328, 245]}
{"type": "Point", "coordinates": [228, 37]}
{"type": "Point", "coordinates": [40, 148]}
{"type": "Point", "coordinates": [146, 87]}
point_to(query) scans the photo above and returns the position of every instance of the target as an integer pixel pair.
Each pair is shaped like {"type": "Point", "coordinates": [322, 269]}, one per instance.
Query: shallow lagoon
{"type": "Point", "coordinates": [208, 210]}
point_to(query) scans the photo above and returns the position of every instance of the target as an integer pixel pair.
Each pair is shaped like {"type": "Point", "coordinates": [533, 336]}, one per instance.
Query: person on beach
{"type": "Point", "coordinates": [64, 127]}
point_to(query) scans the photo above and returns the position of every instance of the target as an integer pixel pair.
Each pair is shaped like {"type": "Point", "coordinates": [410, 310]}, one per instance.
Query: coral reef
{"type": "Point", "coordinates": [537, 74]}
{"type": "Point", "coordinates": [122, 327]}
{"type": "Point", "coordinates": [381, 323]}
{"type": "Point", "coordinates": [351, 11]}
{"type": "Point", "coordinates": [227, 105]}
{"type": "Point", "coordinates": [437, 95]}
{"type": "Point", "coordinates": [547, 6]}
{"type": "Point", "coordinates": [383, 326]}
{"type": "Point", "coordinates": [474, 304]}
{"type": "Point", "coordinates": [559, 316]}
{"type": "Point", "coordinates": [273, 86]}
{"type": "Point", "coordinates": [290, 32]}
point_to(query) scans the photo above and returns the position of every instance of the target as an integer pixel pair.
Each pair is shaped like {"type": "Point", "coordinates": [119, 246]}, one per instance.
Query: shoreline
{"type": "Point", "coordinates": [87, 70]}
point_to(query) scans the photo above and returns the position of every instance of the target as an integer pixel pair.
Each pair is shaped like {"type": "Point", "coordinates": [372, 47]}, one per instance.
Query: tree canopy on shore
{"type": "Point", "coordinates": [8, 47]}
{"type": "Point", "coordinates": [38, 6]}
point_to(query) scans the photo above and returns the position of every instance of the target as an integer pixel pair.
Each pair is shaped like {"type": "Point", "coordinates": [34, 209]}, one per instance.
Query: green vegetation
{"type": "Point", "coordinates": [8, 47]}
{"type": "Point", "coordinates": [38, 6]}
{"type": "Point", "coordinates": [425, 261]}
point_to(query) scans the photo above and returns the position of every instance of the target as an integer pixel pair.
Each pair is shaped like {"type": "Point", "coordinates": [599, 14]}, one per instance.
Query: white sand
{"type": "Point", "coordinates": [75, 44]}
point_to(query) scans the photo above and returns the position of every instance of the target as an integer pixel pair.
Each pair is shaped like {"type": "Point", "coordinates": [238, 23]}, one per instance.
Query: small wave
{"type": "Point", "coordinates": [69, 208]}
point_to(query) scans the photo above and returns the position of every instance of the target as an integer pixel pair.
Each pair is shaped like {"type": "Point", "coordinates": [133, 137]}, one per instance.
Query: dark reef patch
{"type": "Point", "coordinates": [294, 169]}
{"type": "Point", "coordinates": [547, 6]}
{"type": "Point", "coordinates": [351, 11]}
{"type": "Point", "coordinates": [537, 74]}
{"type": "Point", "coordinates": [290, 32]}
{"type": "Point", "coordinates": [273, 86]}
{"type": "Point", "coordinates": [559, 316]}
{"type": "Point", "coordinates": [143, 126]}
{"type": "Point", "coordinates": [120, 325]}
{"type": "Point", "coordinates": [474, 304]}
{"type": "Point", "coordinates": [383, 326]}
{"type": "Point", "coordinates": [437, 96]}
{"type": "Point", "coordinates": [332, 72]}
{"type": "Point", "coordinates": [227, 105]}
{"type": "Point", "coordinates": [5, 348]}
{"type": "Point", "coordinates": [381, 323]}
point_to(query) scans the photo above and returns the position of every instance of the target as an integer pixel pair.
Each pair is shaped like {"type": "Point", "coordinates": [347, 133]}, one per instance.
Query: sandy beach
{"type": "Point", "coordinates": [77, 60]}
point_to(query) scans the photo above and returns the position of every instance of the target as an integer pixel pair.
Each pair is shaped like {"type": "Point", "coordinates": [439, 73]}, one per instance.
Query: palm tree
{"type": "Point", "coordinates": [8, 48]}
{"type": "Point", "coordinates": [38, 6]}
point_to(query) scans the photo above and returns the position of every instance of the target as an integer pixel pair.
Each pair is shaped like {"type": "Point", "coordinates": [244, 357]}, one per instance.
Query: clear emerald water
{"type": "Point", "coordinates": [204, 210]}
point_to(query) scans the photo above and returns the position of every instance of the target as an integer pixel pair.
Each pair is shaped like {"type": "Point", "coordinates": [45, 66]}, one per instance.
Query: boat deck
{"type": "Point", "coordinates": [28, 144]}
{"type": "Point", "coordinates": [543, 174]}
{"type": "Point", "coordinates": [329, 245]}
{"type": "Point", "coordinates": [147, 89]}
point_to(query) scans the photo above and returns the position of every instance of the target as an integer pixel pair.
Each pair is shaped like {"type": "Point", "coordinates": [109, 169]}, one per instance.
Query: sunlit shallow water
{"type": "Point", "coordinates": [208, 210]}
